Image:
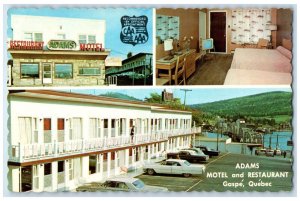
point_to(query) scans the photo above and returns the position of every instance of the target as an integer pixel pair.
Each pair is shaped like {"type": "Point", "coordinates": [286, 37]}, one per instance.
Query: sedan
{"type": "Point", "coordinates": [174, 166]}
{"type": "Point", "coordinates": [120, 184]}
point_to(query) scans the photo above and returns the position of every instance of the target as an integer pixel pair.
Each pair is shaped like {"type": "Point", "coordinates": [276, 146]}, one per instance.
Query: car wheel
{"type": "Point", "coordinates": [186, 174]}
{"type": "Point", "coordinates": [150, 171]}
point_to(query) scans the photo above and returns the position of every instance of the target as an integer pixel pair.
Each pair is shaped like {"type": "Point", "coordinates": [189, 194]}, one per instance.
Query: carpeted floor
{"type": "Point", "coordinates": [212, 71]}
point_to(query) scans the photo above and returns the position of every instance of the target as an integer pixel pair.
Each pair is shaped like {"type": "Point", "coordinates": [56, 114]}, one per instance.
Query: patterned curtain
{"type": "Point", "coordinates": [249, 25]}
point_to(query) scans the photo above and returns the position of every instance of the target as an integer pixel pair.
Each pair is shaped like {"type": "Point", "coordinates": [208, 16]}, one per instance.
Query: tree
{"type": "Point", "coordinates": [129, 54]}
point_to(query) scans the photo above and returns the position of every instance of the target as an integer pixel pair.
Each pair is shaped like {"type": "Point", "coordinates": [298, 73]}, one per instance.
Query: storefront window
{"type": "Point", "coordinates": [63, 71]}
{"type": "Point", "coordinates": [29, 70]}
{"type": "Point", "coordinates": [89, 71]}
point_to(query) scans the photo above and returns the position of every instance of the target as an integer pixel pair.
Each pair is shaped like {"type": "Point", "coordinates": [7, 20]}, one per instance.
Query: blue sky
{"type": "Point", "coordinates": [113, 24]}
{"type": "Point", "coordinates": [195, 96]}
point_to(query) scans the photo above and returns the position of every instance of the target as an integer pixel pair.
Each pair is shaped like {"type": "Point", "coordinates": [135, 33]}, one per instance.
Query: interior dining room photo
{"type": "Point", "coordinates": [238, 46]}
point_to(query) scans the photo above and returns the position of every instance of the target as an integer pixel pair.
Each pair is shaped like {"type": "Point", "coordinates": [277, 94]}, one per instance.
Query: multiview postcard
{"type": "Point", "coordinates": [85, 112]}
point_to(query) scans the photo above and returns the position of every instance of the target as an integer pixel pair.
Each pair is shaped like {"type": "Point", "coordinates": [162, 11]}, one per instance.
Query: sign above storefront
{"type": "Point", "coordinates": [92, 47]}
{"type": "Point", "coordinates": [25, 45]}
{"type": "Point", "coordinates": [61, 45]}
{"type": "Point", "coordinates": [56, 45]}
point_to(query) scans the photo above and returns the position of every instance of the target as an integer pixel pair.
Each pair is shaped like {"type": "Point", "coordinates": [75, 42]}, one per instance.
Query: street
{"type": "Point", "coordinates": [233, 173]}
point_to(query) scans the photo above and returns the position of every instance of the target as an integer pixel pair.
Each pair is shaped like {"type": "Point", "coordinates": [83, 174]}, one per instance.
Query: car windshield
{"type": "Point", "coordinates": [187, 163]}
{"type": "Point", "coordinates": [138, 184]}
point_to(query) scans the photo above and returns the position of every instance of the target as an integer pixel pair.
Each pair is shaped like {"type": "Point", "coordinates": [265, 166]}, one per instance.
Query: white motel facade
{"type": "Point", "coordinates": [59, 140]}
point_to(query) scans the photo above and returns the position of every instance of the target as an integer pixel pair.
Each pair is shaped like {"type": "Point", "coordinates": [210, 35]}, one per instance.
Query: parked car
{"type": "Point", "coordinates": [189, 155]}
{"type": "Point", "coordinates": [270, 152]}
{"type": "Point", "coordinates": [198, 151]}
{"type": "Point", "coordinates": [208, 151]}
{"type": "Point", "coordinates": [174, 166]}
{"type": "Point", "coordinates": [277, 152]}
{"type": "Point", "coordinates": [120, 184]}
{"type": "Point", "coordinates": [260, 152]}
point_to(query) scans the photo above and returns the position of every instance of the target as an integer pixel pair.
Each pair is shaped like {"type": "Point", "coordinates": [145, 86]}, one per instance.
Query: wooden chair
{"type": "Point", "coordinates": [262, 43]}
{"type": "Point", "coordinates": [180, 70]}
{"type": "Point", "coordinates": [178, 73]}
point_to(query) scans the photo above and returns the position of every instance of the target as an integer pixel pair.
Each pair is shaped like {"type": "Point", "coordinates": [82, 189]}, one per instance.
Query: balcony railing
{"type": "Point", "coordinates": [38, 151]}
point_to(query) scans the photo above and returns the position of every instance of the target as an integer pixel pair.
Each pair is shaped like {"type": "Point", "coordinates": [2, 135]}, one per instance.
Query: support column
{"type": "Point", "coordinates": [66, 171]}
{"type": "Point", "coordinates": [109, 129]}
{"type": "Point", "coordinates": [41, 177]}
{"type": "Point", "coordinates": [85, 166]}
{"type": "Point", "coordinates": [127, 158]}
{"type": "Point", "coordinates": [14, 179]}
{"type": "Point", "coordinates": [54, 129]}
{"type": "Point", "coordinates": [54, 175]}
{"type": "Point", "coordinates": [101, 166]}
{"type": "Point", "coordinates": [101, 128]}
{"type": "Point", "coordinates": [108, 163]}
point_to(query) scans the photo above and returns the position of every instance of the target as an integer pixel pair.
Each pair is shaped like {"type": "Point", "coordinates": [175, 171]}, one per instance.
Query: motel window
{"type": "Point", "coordinates": [82, 39]}
{"type": "Point", "coordinates": [38, 37]}
{"type": "Point", "coordinates": [89, 71]}
{"type": "Point", "coordinates": [47, 168]}
{"type": "Point", "coordinates": [47, 124]}
{"type": "Point", "coordinates": [105, 123]}
{"type": "Point", "coordinates": [28, 36]}
{"type": "Point", "coordinates": [60, 166]}
{"type": "Point", "coordinates": [92, 38]}
{"type": "Point", "coordinates": [60, 124]}
{"type": "Point", "coordinates": [29, 70]}
{"type": "Point", "coordinates": [63, 71]}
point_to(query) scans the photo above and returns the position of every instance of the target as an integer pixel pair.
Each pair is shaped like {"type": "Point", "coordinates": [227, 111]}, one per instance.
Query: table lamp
{"type": "Point", "coordinates": [168, 46]}
{"type": "Point", "coordinates": [271, 27]}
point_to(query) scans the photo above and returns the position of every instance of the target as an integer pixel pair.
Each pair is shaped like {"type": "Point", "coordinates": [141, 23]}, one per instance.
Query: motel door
{"type": "Point", "coordinates": [218, 30]}
{"type": "Point", "coordinates": [47, 73]}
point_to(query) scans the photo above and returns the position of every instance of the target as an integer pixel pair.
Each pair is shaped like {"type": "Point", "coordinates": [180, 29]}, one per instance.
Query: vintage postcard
{"type": "Point", "coordinates": [79, 47]}
{"type": "Point", "coordinates": [85, 113]}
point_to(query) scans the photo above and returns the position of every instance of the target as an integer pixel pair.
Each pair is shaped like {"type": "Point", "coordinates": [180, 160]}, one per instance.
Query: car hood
{"type": "Point", "coordinates": [148, 188]}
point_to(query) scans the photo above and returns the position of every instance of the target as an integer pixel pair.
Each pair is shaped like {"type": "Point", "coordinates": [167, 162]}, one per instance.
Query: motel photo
{"type": "Point", "coordinates": [69, 139]}
{"type": "Point", "coordinates": [245, 46]}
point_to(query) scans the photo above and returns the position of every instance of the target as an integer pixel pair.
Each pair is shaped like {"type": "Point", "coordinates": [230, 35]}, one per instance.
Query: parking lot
{"type": "Point", "coordinates": [227, 163]}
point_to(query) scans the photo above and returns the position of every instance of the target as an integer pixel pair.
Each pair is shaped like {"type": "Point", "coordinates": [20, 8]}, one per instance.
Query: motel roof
{"type": "Point", "coordinates": [87, 98]}
{"type": "Point", "coordinates": [135, 56]}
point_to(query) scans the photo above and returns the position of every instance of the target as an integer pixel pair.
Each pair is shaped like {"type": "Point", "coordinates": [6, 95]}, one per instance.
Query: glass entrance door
{"type": "Point", "coordinates": [47, 73]}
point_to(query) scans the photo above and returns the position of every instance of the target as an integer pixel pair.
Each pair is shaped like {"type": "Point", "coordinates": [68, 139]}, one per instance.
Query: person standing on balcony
{"type": "Point", "coordinates": [132, 134]}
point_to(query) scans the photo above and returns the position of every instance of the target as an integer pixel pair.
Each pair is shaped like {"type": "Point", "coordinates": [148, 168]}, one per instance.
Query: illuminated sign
{"type": "Point", "coordinates": [93, 47]}
{"type": "Point", "coordinates": [25, 45]}
{"type": "Point", "coordinates": [61, 45]}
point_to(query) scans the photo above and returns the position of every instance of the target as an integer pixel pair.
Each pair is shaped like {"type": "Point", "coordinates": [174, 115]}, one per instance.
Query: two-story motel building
{"type": "Point", "coordinates": [59, 140]}
{"type": "Point", "coordinates": [56, 51]}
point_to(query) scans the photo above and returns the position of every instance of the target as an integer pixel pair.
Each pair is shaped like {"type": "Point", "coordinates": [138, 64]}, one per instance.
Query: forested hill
{"type": "Point", "coordinates": [259, 105]}
{"type": "Point", "coordinates": [120, 96]}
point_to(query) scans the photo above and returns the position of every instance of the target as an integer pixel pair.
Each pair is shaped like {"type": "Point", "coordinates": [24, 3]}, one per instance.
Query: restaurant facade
{"type": "Point", "coordinates": [58, 54]}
